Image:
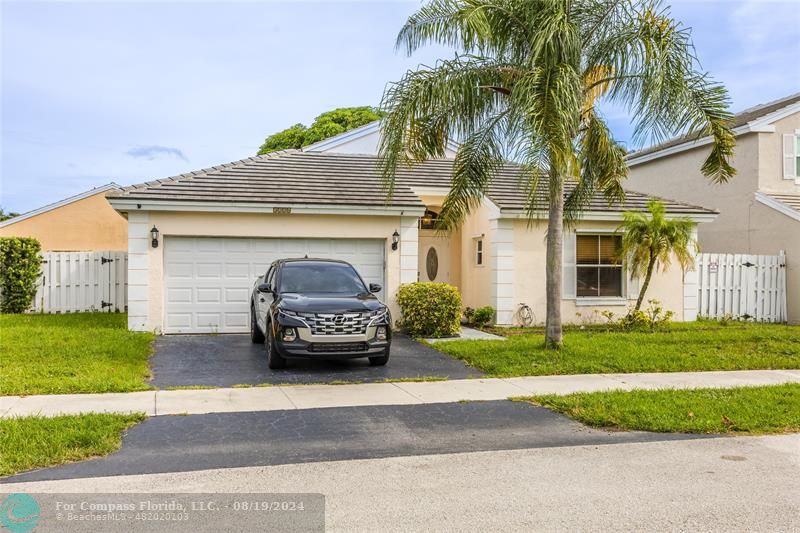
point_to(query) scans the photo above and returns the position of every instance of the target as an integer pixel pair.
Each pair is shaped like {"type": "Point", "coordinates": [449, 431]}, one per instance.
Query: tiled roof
{"type": "Point", "coordinates": [739, 119]}
{"type": "Point", "coordinates": [295, 177]}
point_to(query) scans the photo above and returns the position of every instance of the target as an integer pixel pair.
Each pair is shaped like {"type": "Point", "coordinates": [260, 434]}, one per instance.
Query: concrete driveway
{"type": "Point", "coordinates": [227, 360]}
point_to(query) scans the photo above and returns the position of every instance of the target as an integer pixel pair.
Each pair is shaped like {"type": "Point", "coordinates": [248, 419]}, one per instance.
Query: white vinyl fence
{"type": "Point", "coordinates": [82, 281]}
{"type": "Point", "coordinates": [741, 286]}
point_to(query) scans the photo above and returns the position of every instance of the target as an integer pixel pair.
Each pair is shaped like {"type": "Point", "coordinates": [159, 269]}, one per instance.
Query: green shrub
{"type": "Point", "coordinates": [468, 314]}
{"type": "Point", "coordinates": [651, 318]}
{"type": "Point", "coordinates": [19, 270]}
{"type": "Point", "coordinates": [430, 309]}
{"type": "Point", "coordinates": [483, 315]}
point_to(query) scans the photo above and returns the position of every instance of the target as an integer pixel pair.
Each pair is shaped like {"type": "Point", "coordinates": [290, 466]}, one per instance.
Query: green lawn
{"type": "Point", "coordinates": [37, 442]}
{"type": "Point", "coordinates": [753, 410]}
{"type": "Point", "coordinates": [80, 352]}
{"type": "Point", "coordinates": [680, 347]}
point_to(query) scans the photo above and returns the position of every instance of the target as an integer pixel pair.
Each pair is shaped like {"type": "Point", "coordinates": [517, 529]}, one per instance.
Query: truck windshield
{"type": "Point", "coordinates": [310, 277]}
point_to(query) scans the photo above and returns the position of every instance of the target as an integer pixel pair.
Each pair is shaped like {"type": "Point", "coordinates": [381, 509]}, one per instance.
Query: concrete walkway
{"type": "Point", "coordinates": [176, 402]}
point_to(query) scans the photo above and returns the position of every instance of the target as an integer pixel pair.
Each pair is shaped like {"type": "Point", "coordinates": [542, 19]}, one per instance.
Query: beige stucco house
{"type": "Point", "coordinates": [759, 209]}
{"type": "Point", "coordinates": [220, 227]}
{"type": "Point", "coordinates": [84, 222]}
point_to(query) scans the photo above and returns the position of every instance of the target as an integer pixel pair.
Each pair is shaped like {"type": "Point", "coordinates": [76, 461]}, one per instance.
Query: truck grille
{"type": "Point", "coordinates": [338, 347]}
{"type": "Point", "coordinates": [337, 324]}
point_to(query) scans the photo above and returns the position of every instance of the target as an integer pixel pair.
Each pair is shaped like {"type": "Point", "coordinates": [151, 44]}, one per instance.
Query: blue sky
{"type": "Point", "coordinates": [128, 92]}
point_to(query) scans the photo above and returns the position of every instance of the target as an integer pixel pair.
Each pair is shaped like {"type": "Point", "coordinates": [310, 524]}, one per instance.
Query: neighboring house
{"type": "Point", "coordinates": [84, 222]}
{"type": "Point", "coordinates": [759, 209]}
{"type": "Point", "coordinates": [219, 228]}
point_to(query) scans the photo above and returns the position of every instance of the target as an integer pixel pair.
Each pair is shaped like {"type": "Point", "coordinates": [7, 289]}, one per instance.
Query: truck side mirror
{"type": "Point", "coordinates": [264, 287]}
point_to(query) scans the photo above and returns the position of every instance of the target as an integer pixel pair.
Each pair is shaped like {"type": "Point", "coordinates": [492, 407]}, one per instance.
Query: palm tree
{"type": "Point", "coordinates": [524, 85]}
{"type": "Point", "coordinates": [649, 242]}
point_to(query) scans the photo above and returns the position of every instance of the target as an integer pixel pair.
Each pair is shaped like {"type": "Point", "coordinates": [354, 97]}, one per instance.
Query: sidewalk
{"type": "Point", "coordinates": [178, 402]}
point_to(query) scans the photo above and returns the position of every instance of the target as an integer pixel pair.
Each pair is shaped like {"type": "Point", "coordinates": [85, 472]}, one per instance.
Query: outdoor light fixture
{"type": "Point", "coordinates": [395, 239]}
{"type": "Point", "coordinates": [154, 237]}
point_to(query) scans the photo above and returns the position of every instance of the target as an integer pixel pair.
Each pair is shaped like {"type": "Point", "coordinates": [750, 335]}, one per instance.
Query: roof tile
{"type": "Point", "coordinates": [297, 178]}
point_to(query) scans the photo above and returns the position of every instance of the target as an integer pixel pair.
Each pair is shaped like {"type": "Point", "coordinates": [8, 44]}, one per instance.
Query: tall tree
{"type": "Point", "coordinates": [525, 84]}
{"type": "Point", "coordinates": [650, 241]}
{"type": "Point", "coordinates": [6, 216]}
{"type": "Point", "coordinates": [324, 126]}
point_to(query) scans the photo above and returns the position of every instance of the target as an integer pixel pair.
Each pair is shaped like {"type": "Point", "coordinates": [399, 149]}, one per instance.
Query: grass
{"type": "Point", "coordinates": [678, 347]}
{"type": "Point", "coordinates": [72, 353]}
{"type": "Point", "coordinates": [744, 410]}
{"type": "Point", "coordinates": [37, 442]}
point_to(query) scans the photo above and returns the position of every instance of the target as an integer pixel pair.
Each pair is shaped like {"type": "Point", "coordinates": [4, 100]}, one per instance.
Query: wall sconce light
{"type": "Point", "coordinates": [154, 237]}
{"type": "Point", "coordinates": [395, 239]}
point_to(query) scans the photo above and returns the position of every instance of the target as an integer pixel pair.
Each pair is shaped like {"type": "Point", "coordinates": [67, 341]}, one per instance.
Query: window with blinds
{"type": "Point", "coordinates": [599, 268]}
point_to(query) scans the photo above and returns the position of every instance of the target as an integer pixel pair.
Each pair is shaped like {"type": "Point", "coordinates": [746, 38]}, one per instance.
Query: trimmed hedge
{"type": "Point", "coordinates": [483, 315]}
{"type": "Point", "coordinates": [20, 264]}
{"type": "Point", "coordinates": [430, 309]}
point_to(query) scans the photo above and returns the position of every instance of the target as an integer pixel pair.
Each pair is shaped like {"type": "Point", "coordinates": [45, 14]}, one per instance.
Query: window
{"type": "Point", "coordinates": [791, 156]}
{"type": "Point", "coordinates": [599, 269]}
{"type": "Point", "coordinates": [797, 156]}
{"type": "Point", "coordinates": [479, 251]}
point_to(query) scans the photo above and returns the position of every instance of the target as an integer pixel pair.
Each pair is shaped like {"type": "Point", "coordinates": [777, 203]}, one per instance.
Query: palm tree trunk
{"type": "Point", "coordinates": [650, 266]}
{"type": "Point", "coordinates": [555, 232]}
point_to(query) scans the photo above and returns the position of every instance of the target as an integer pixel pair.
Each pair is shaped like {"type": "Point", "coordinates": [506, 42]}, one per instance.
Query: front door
{"type": "Point", "coordinates": [434, 257]}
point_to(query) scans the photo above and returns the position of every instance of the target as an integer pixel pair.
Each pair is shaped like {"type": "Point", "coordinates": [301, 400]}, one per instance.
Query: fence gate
{"type": "Point", "coordinates": [82, 281]}
{"type": "Point", "coordinates": [741, 286]}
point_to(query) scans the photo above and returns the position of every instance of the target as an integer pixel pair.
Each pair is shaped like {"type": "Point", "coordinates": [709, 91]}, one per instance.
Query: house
{"type": "Point", "coordinates": [197, 241]}
{"type": "Point", "coordinates": [84, 222]}
{"type": "Point", "coordinates": [759, 209]}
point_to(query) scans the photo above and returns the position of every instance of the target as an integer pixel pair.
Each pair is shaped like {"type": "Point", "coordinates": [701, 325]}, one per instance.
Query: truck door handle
{"type": "Point", "coordinates": [261, 299]}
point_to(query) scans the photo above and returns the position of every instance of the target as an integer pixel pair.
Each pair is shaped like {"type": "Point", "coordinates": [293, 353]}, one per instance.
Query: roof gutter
{"type": "Point", "coordinates": [759, 125]}
{"type": "Point", "coordinates": [61, 203]}
{"type": "Point", "coordinates": [128, 205]}
{"type": "Point", "coordinates": [610, 216]}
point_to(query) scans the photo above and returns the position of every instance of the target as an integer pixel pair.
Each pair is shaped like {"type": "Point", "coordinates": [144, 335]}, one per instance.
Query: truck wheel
{"type": "Point", "coordinates": [256, 335]}
{"type": "Point", "coordinates": [274, 359]}
{"type": "Point", "coordinates": [380, 360]}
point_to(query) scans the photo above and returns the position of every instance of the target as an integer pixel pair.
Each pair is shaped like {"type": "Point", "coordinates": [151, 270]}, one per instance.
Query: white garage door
{"type": "Point", "coordinates": [208, 279]}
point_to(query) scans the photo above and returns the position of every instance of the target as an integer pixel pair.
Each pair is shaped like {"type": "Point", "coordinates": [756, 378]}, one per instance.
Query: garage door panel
{"type": "Point", "coordinates": [236, 321]}
{"type": "Point", "coordinates": [297, 247]}
{"type": "Point", "coordinates": [208, 295]}
{"type": "Point", "coordinates": [182, 245]}
{"type": "Point", "coordinates": [266, 245]}
{"type": "Point", "coordinates": [236, 295]}
{"type": "Point", "coordinates": [179, 270]}
{"type": "Point", "coordinates": [176, 321]}
{"type": "Point", "coordinates": [208, 244]}
{"type": "Point", "coordinates": [318, 246]}
{"type": "Point", "coordinates": [237, 270]}
{"type": "Point", "coordinates": [236, 245]}
{"type": "Point", "coordinates": [208, 280]}
{"type": "Point", "coordinates": [208, 270]}
{"type": "Point", "coordinates": [179, 295]}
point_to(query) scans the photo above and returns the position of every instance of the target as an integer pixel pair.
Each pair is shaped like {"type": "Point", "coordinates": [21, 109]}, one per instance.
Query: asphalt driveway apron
{"type": "Point", "coordinates": [227, 360]}
{"type": "Point", "coordinates": [226, 440]}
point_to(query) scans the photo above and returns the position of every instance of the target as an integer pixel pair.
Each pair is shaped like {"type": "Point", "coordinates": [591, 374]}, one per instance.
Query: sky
{"type": "Point", "coordinates": [95, 92]}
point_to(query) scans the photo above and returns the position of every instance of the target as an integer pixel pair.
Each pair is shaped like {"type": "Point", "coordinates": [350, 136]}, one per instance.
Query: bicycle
{"type": "Point", "coordinates": [525, 315]}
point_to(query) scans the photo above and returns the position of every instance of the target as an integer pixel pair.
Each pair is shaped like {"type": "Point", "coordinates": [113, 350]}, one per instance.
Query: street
{"type": "Point", "coordinates": [712, 484]}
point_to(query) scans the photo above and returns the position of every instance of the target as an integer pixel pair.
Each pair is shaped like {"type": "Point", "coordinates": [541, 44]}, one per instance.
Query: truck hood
{"type": "Point", "coordinates": [329, 303]}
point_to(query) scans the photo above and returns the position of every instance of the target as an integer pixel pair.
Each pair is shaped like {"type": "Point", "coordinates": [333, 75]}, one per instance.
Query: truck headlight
{"type": "Point", "coordinates": [380, 334]}
{"type": "Point", "coordinates": [289, 334]}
